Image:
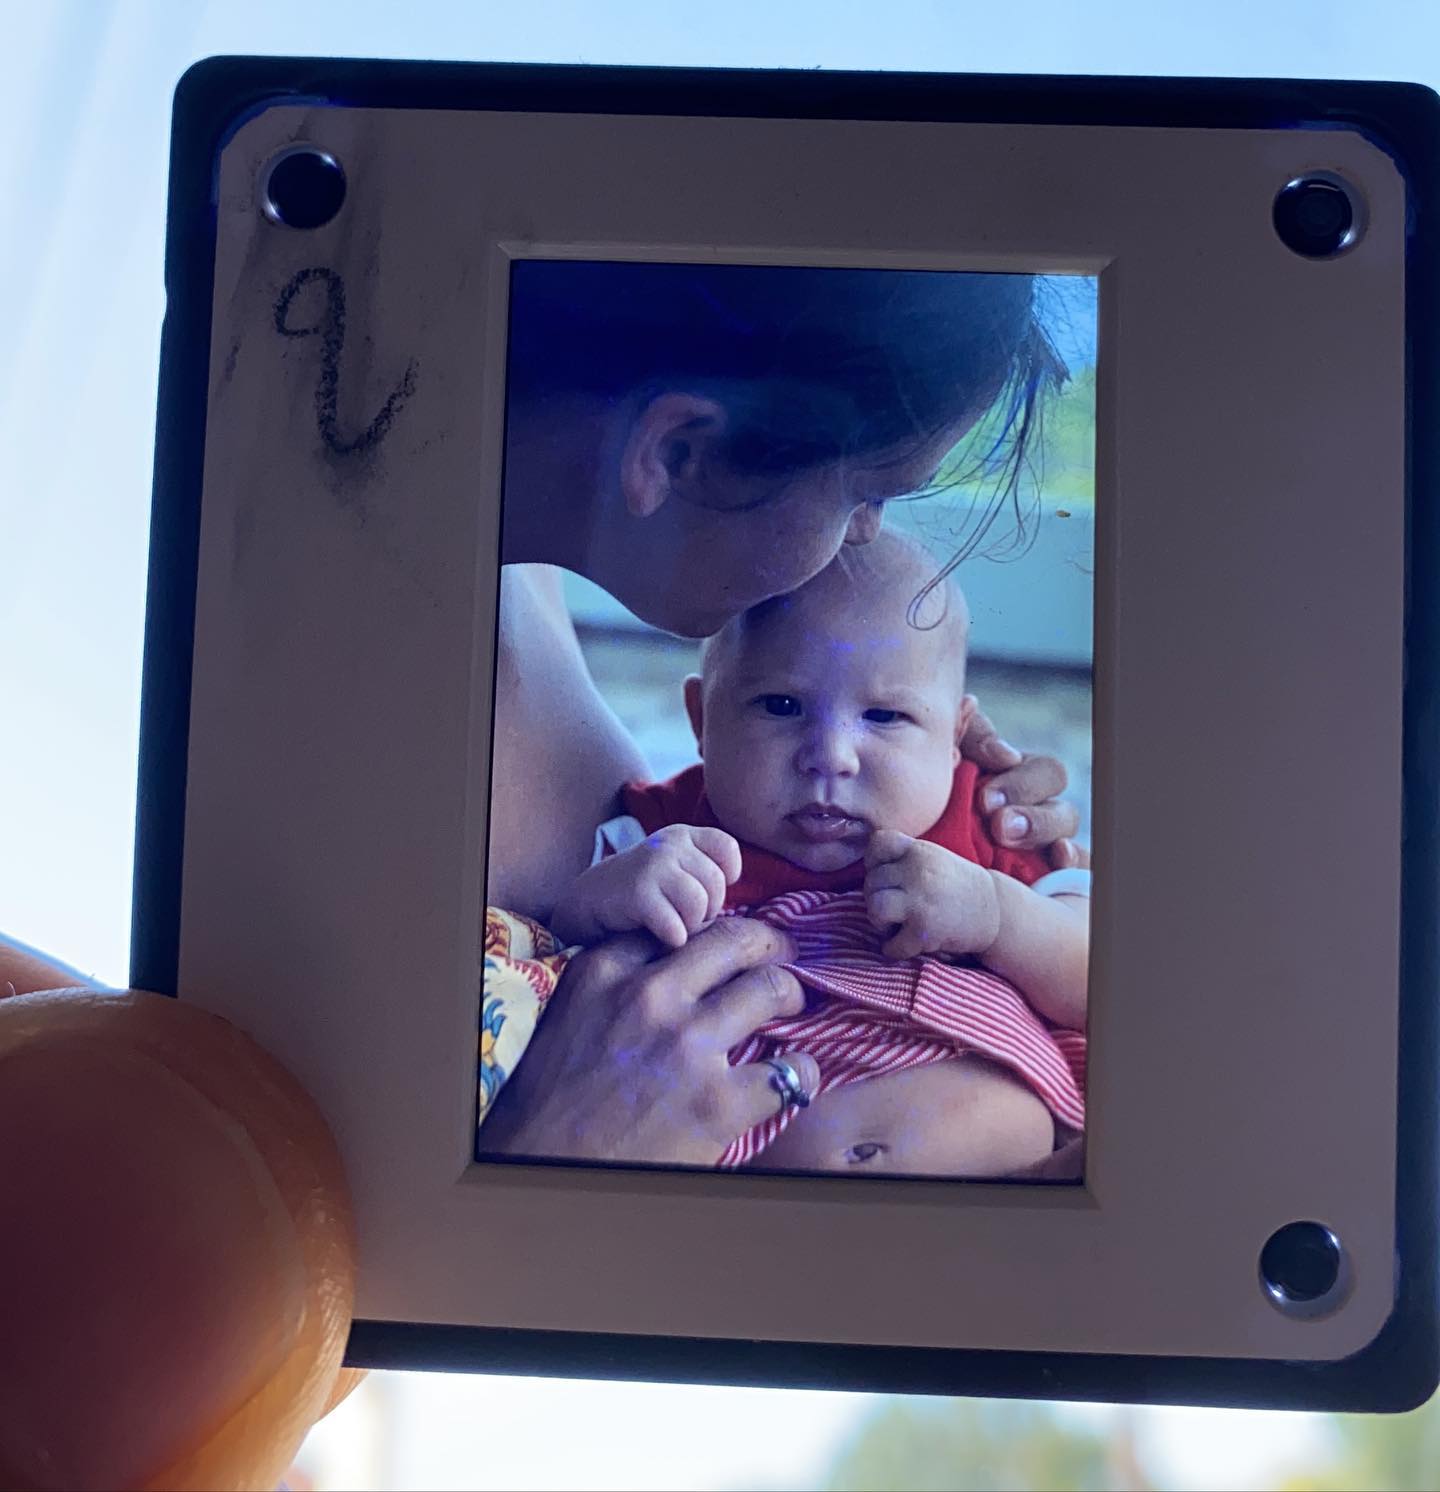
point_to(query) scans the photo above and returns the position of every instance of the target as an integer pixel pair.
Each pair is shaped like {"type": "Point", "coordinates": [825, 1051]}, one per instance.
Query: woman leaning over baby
{"type": "Point", "coordinates": [696, 439]}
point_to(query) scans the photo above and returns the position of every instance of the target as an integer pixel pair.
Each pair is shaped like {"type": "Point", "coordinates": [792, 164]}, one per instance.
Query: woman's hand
{"type": "Point", "coordinates": [176, 1245]}
{"type": "Point", "coordinates": [1022, 800]}
{"type": "Point", "coordinates": [630, 1061]}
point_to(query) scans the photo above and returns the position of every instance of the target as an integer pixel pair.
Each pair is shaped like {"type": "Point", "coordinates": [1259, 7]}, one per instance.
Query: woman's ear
{"type": "Point", "coordinates": [671, 442]}
{"type": "Point", "coordinates": [695, 709]}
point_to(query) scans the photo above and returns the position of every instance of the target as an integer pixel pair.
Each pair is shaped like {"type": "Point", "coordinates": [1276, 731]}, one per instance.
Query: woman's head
{"type": "Point", "coordinates": [757, 417]}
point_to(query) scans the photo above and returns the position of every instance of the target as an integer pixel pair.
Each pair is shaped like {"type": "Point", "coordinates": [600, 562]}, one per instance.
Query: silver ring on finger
{"type": "Point", "coordinates": [785, 1080]}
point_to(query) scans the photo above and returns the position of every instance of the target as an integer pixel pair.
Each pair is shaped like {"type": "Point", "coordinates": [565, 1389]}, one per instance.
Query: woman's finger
{"type": "Point", "coordinates": [982, 743]}
{"type": "Point", "coordinates": [1037, 779]}
{"type": "Point", "coordinates": [757, 1095]}
{"type": "Point", "coordinates": [1035, 828]}
{"type": "Point", "coordinates": [1065, 854]}
{"type": "Point", "coordinates": [716, 954]}
{"type": "Point", "coordinates": [608, 964]}
{"type": "Point", "coordinates": [180, 1291]}
{"type": "Point", "coordinates": [739, 1008]}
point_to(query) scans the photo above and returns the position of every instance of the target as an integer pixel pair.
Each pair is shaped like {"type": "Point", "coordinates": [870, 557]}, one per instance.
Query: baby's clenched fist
{"type": "Point", "coordinates": [671, 885]}
{"type": "Point", "coordinates": [928, 899]}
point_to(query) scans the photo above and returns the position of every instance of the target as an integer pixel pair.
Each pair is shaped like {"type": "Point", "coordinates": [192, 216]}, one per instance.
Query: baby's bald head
{"type": "Point", "coordinates": [885, 591]}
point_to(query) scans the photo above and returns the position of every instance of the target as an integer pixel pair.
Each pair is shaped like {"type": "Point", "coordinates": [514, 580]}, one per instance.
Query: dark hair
{"type": "Point", "coordinates": [811, 364]}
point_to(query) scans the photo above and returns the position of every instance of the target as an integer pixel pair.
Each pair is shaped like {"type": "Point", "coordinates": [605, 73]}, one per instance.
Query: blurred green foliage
{"type": "Point", "coordinates": [1386, 1453]}
{"type": "Point", "coordinates": [1059, 463]}
{"type": "Point", "coordinates": [1067, 448]}
{"type": "Point", "coordinates": [945, 1445]}
{"type": "Point", "coordinates": [974, 1445]}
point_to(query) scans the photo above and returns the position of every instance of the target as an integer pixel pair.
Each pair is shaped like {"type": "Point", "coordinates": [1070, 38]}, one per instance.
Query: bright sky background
{"type": "Point", "coordinates": [83, 135]}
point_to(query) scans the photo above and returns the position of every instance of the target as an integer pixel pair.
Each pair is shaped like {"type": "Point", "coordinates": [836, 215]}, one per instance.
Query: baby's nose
{"type": "Point", "coordinates": [829, 751]}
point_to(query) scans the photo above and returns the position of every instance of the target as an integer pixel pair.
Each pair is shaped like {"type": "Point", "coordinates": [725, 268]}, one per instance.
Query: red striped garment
{"type": "Point", "coordinates": [869, 1015]}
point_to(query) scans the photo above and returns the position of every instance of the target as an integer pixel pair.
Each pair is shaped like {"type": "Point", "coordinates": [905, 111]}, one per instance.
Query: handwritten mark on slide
{"type": "Point", "coordinates": [330, 328]}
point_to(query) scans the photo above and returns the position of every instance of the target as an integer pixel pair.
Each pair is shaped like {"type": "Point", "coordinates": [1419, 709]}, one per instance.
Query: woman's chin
{"type": "Point", "coordinates": [691, 625]}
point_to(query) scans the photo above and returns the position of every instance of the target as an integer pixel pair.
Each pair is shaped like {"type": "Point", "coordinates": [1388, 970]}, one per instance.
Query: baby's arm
{"type": "Point", "coordinates": [935, 902]}
{"type": "Point", "coordinates": [672, 883]}
{"type": "Point", "coordinates": [1043, 948]}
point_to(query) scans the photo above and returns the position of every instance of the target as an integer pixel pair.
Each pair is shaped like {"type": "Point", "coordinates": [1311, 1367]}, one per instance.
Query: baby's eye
{"type": "Point", "coordinates": [779, 704]}
{"type": "Point", "coordinates": [880, 716]}
{"type": "Point", "coordinates": [866, 1150]}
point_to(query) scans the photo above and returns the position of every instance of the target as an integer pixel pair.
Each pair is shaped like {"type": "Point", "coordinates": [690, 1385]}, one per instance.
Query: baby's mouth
{"type": "Point", "coordinates": [823, 823]}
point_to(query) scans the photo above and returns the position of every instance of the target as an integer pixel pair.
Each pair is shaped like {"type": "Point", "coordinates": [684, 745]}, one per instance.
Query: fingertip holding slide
{"type": "Point", "coordinates": [178, 1251]}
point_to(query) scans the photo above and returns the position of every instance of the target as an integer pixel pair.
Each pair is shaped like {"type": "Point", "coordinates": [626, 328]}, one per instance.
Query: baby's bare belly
{"type": "Point", "coordinates": [967, 1118]}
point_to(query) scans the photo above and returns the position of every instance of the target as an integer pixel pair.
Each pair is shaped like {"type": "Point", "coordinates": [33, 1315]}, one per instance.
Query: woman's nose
{"type": "Point", "coordinates": [865, 524]}
{"type": "Point", "coordinates": [828, 750]}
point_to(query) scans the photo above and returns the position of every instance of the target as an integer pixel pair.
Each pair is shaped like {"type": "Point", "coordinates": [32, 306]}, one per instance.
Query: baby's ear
{"type": "Point", "coordinates": [695, 709]}
{"type": "Point", "coordinates": [968, 706]}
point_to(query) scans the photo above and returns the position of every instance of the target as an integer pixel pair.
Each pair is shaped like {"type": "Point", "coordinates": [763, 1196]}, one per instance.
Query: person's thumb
{"type": "Point", "coordinates": [176, 1257]}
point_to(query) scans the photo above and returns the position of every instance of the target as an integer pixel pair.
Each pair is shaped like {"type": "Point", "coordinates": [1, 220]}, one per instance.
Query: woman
{"type": "Point", "coordinates": [696, 439]}
{"type": "Point", "coordinates": [736, 440]}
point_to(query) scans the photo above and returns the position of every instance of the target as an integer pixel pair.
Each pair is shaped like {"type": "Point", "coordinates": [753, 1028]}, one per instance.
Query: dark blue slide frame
{"type": "Point", "coordinates": [1401, 1367]}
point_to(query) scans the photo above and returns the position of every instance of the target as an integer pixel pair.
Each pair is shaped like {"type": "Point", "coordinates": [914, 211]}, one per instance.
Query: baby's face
{"type": "Point", "coordinates": [829, 717]}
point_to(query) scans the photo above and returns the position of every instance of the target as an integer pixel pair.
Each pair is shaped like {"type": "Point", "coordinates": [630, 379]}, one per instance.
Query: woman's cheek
{"type": "Point", "coordinates": [815, 549]}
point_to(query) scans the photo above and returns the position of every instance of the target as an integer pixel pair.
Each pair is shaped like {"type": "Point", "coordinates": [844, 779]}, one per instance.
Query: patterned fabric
{"type": "Point", "coordinates": [869, 1015]}
{"type": "Point", "coordinates": [523, 964]}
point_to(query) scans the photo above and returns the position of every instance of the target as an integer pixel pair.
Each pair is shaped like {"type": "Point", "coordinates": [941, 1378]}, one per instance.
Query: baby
{"type": "Point", "coordinates": [829, 728]}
